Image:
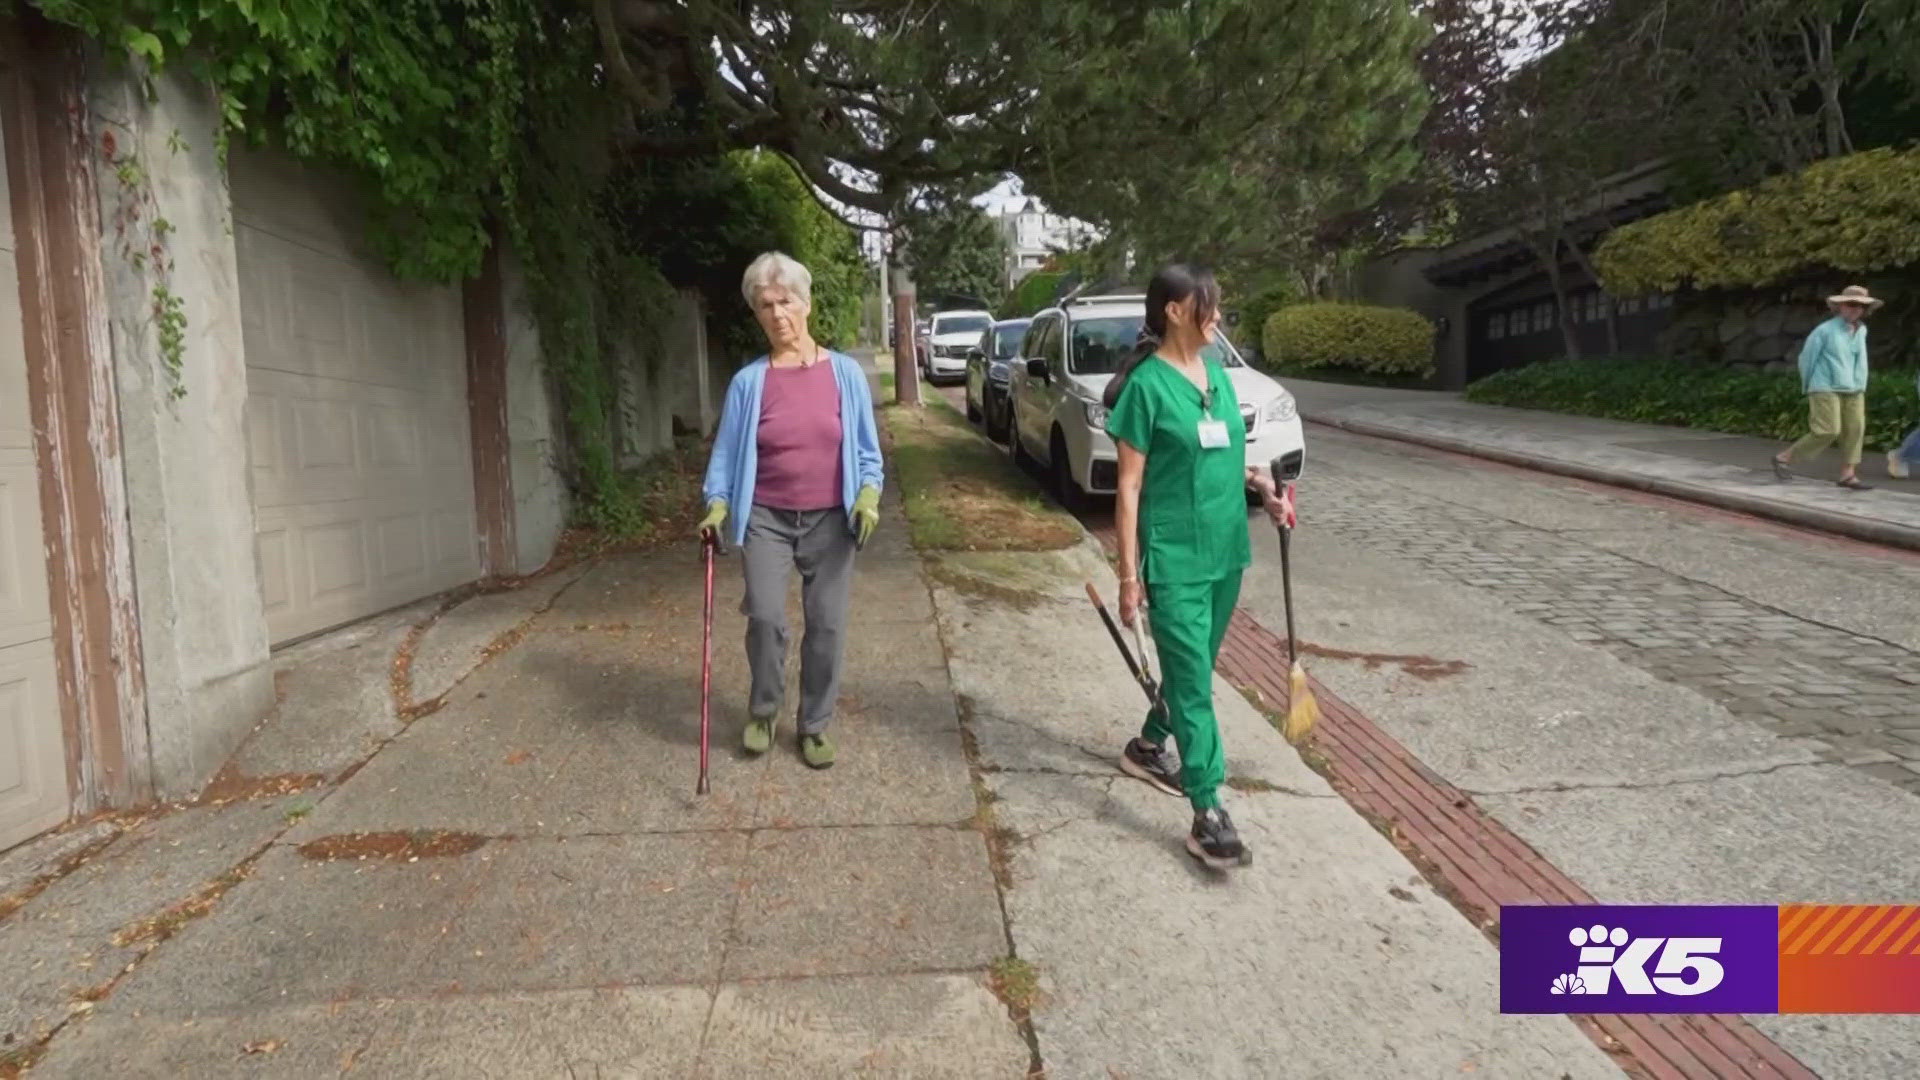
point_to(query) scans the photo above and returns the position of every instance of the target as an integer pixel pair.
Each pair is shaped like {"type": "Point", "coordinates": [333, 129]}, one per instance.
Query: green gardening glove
{"type": "Point", "coordinates": [716, 517]}
{"type": "Point", "coordinates": [866, 514]}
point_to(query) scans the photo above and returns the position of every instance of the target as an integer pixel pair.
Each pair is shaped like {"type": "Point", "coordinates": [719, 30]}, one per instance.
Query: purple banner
{"type": "Point", "coordinates": [1577, 958]}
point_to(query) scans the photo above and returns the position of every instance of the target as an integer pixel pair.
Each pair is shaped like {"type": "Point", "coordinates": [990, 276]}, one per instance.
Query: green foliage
{"type": "Point", "coordinates": [955, 248]}
{"type": "Point", "coordinates": [1375, 340]}
{"type": "Point", "coordinates": [460, 118]}
{"type": "Point", "coordinates": [1651, 390]}
{"type": "Point", "coordinates": [1034, 292]}
{"type": "Point", "coordinates": [1851, 215]}
{"type": "Point", "coordinates": [754, 202]}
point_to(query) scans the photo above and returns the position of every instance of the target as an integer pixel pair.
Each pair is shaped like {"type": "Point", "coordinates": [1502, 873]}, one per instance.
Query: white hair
{"type": "Point", "coordinates": [775, 268]}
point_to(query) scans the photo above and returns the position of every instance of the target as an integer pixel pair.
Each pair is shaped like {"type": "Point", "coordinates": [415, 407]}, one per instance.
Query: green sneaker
{"type": "Point", "coordinates": [758, 738]}
{"type": "Point", "coordinates": [816, 751]}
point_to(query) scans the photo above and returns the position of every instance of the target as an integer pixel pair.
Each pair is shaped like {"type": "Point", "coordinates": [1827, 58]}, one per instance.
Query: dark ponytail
{"type": "Point", "coordinates": [1171, 284]}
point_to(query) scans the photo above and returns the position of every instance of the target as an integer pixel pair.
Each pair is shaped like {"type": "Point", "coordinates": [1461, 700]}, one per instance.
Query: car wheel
{"type": "Point", "coordinates": [1065, 487]}
{"type": "Point", "coordinates": [1019, 447]}
{"type": "Point", "coordinates": [996, 410]}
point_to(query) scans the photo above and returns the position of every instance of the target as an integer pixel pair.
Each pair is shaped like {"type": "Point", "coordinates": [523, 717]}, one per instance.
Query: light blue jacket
{"type": "Point", "coordinates": [736, 447]}
{"type": "Point", "coordinates": [1834, 361]}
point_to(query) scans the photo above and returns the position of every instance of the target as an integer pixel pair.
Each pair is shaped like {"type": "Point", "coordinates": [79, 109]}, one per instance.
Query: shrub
{"type": "Point", "coordinates": [1375, 340]}
{"type": "Point", "coordinates": [1854, 215]}
{"type": "Point", "coordinates": [1034, 292]}
{"type": "Point", "coordinates": [1739, 401]}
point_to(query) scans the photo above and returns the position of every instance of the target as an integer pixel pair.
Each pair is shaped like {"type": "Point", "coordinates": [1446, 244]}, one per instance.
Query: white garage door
{"type": "Point", "coordinates": [33, 755]}
{"type": "Point", "coordinates": [356, 411]}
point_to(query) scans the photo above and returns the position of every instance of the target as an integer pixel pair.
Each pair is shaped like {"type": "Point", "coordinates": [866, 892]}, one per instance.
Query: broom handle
{"type": "Point", "coordinates": [1286, 588]}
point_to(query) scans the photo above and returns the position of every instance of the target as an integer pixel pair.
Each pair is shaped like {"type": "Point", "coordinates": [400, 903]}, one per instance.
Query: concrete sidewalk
{"type": "Point", "coordinates": [468, 845]}
{"type": "Point", "coordinates": [1728, 471]}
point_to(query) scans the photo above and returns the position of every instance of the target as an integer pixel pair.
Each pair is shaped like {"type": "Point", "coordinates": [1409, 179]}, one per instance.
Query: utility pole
{"type": "Point", "coordinates": [906, 372]}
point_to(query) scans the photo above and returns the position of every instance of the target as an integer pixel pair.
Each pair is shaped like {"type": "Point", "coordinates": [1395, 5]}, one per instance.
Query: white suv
{"type": "Point", "coordinates": [1066, 360]}
{"type": "Point", "coordinates": [951, 335]}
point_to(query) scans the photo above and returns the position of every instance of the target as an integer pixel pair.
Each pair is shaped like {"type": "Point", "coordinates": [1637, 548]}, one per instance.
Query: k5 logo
{"type": "Point", "coordinates": [1607, 957]}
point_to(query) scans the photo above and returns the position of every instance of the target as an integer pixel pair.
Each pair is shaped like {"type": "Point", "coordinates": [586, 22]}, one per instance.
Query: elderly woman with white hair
{"type": "Point", "coordinates": [794, 480]}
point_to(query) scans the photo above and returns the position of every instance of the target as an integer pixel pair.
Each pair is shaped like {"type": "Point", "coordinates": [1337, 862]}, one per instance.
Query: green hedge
{"type": "Point", "coordinates": [1850, 215]}
{"type": "Point", "coordinates": [1034, 292]}
{"type": "Point", "coordinates": [1375, 340]}
{"type": "Point", "coordinates": [1767, 404]}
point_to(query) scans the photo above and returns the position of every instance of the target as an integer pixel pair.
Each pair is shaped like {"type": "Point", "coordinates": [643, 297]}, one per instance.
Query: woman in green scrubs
{"type": "Point", "coordinates": [1182, 524]}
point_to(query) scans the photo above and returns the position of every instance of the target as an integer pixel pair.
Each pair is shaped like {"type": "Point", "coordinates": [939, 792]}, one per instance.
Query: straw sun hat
{"type": "Point", "coordinates": [1855, 294]}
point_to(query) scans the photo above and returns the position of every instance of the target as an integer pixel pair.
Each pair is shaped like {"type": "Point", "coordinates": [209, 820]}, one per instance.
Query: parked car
{"type": "Point", "coordinates": [1067, 357]}
{"type": "Point", "coordinates": [950, 335]}
{"type": "Point", "coordinates": [989, 368]}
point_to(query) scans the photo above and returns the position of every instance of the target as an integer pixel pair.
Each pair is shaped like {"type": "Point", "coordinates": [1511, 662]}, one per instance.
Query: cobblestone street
{"type": "Point", "coordinates": [1857, 694]}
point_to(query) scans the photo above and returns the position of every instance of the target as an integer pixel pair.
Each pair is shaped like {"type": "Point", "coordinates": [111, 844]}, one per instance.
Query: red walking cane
{"type": "Point", "coordinates": [707, 545]}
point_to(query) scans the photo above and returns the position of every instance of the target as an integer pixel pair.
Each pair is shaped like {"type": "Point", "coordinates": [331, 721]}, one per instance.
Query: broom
{"type": "Point", "coordinates": [1302, 711]}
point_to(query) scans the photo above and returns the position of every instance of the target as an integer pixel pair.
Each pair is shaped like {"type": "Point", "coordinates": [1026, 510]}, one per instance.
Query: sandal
{"type": "Point", "coordinates": [1780, 470]}
{"type": "Point", "coordinates": [1853, 483]}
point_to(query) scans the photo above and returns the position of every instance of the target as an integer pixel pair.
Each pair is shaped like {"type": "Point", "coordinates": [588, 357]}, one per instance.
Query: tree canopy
{"type": "Point", "coordinates": [954, 247]}
{"type": "Point", "coordinates": [1145, 118]}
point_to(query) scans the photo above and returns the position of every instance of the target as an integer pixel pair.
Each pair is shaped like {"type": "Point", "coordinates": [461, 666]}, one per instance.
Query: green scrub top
{"type": "Point", "coordinates": [1193, 508]}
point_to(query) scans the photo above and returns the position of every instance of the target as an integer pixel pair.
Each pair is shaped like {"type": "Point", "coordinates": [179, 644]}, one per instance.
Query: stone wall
{"type": "Point", "coordinates": [1763, 331]}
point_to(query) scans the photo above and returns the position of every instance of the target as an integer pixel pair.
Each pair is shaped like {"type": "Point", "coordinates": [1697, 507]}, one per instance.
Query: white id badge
{"type": "Point", "coordinates": [1213, 435]}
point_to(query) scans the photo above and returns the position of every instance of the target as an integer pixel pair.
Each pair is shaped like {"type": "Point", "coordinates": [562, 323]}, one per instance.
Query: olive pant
{"type": "Point", "coordinates": [1189, 621]}
{"type": "Point", "coordinates": [1830, 417]}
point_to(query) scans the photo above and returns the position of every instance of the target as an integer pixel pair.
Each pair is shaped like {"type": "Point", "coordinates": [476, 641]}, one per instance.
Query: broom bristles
{"type": "Point", "coordinates": [1302, 711]}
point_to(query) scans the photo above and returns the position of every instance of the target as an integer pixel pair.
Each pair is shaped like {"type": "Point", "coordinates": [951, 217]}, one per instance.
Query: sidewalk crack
{"type": "Point", "coordinates": [1644, 785]}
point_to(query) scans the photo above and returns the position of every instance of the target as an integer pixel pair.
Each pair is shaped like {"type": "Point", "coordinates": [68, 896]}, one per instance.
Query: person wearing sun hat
{"type": "Point", "coordinates": [1833, 375]}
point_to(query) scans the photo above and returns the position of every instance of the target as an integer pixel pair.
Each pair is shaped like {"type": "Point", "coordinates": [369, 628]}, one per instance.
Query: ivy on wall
{"type": "Point", "coordinates": [463, 119]}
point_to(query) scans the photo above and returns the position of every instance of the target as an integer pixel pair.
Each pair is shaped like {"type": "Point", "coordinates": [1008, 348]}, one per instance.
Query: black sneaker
{"type": "Point", "coordinates": [1145, 761]}
{"type": "Point", "coordinates": [1214, 842]}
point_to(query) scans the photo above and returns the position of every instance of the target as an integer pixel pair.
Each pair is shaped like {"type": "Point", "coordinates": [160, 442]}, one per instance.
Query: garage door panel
{"type": "Point", "coordinates": [23, 559]}
{"type": "Point", "coordinates": [33, 766]}
{"type": "Point", "coordinates": [401, 544]}
{"type": "Point", "coordinates": [362, 463]}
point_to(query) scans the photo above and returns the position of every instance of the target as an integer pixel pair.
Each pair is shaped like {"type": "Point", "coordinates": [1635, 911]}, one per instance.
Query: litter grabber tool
{"type": "Point", "coordinates": [709, 546]}
{"type": "Point", "coordinates": [1141, 669]}
{"type": "Point", "coordinates": [1302, 711]}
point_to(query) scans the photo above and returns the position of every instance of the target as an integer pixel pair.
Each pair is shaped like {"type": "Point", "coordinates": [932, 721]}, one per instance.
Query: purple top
{"type": "Point", "coordinates": [799, 439]}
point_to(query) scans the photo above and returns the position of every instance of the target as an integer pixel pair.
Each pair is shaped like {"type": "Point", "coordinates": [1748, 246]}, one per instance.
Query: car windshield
{"type": "Point", "coordinates": [962, 324]}
{"type": "Point", "coordinates": [1006, 340]}
{"type": "Point", "coordinates": [1101, 345]}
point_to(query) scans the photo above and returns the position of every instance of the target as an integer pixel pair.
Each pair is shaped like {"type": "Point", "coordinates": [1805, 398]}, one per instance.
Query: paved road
{"type": "Point", "coordinates": [1800, 634]}
{"type": "Point", "coordinates": [1671, 703]}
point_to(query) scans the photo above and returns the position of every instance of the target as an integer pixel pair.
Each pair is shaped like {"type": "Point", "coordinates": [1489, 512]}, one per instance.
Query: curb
{"type": "Point", "coordinates": [1871, 530]}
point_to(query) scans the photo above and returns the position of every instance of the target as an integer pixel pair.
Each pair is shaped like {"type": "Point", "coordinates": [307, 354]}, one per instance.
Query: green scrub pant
{"type": "Point", "coordinates": [1189, 622]}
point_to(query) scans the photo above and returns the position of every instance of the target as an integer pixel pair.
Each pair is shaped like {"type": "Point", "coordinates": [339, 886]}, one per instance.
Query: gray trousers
{"type": "Point", "coordinates": [820, 545]}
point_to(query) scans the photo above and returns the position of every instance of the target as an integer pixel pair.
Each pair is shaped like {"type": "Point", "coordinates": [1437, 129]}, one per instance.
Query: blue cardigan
{"type": "Point", "coordinates": [736, 447]}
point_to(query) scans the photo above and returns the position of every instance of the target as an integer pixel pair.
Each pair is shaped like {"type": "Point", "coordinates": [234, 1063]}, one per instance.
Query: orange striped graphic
{"type": "Point", "coordinates": [1893, 925]}
{"type": "Point", "coordinates": [1849, 918]}
{"type": "Point", "coordinates": [1866, 924]}
{"type": "Point", "coordinates": [1850, 958]}
{"type": "Point", "coordinates": [1815, 928]}
{"type": "Point", "coordinates": [1906, 938]}
{"type": "Point", "coordinates": [1822, 915]}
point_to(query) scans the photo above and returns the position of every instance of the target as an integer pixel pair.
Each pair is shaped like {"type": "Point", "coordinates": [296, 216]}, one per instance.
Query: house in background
{"type": "Point", "coordinates": [1034, 234]}
{"type": "Point", "coordinates": [333, 444]}
{"type": "Point", "coordinates": [1493, 303]}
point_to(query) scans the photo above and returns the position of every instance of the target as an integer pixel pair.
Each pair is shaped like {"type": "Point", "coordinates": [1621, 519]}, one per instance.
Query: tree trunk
{"type": "Point", "coordinates": [1548, 253]}
{"type": "Point", "coordinates": [1613, 316]}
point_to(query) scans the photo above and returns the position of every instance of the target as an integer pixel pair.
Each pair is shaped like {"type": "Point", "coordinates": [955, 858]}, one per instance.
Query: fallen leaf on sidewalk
{"type": "Point", "coordinates": [518, 757]}
{"type": "Point", "coordinates": [264, 1046]}
{"type": "Point", "coordinates": [1469, 1066]}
